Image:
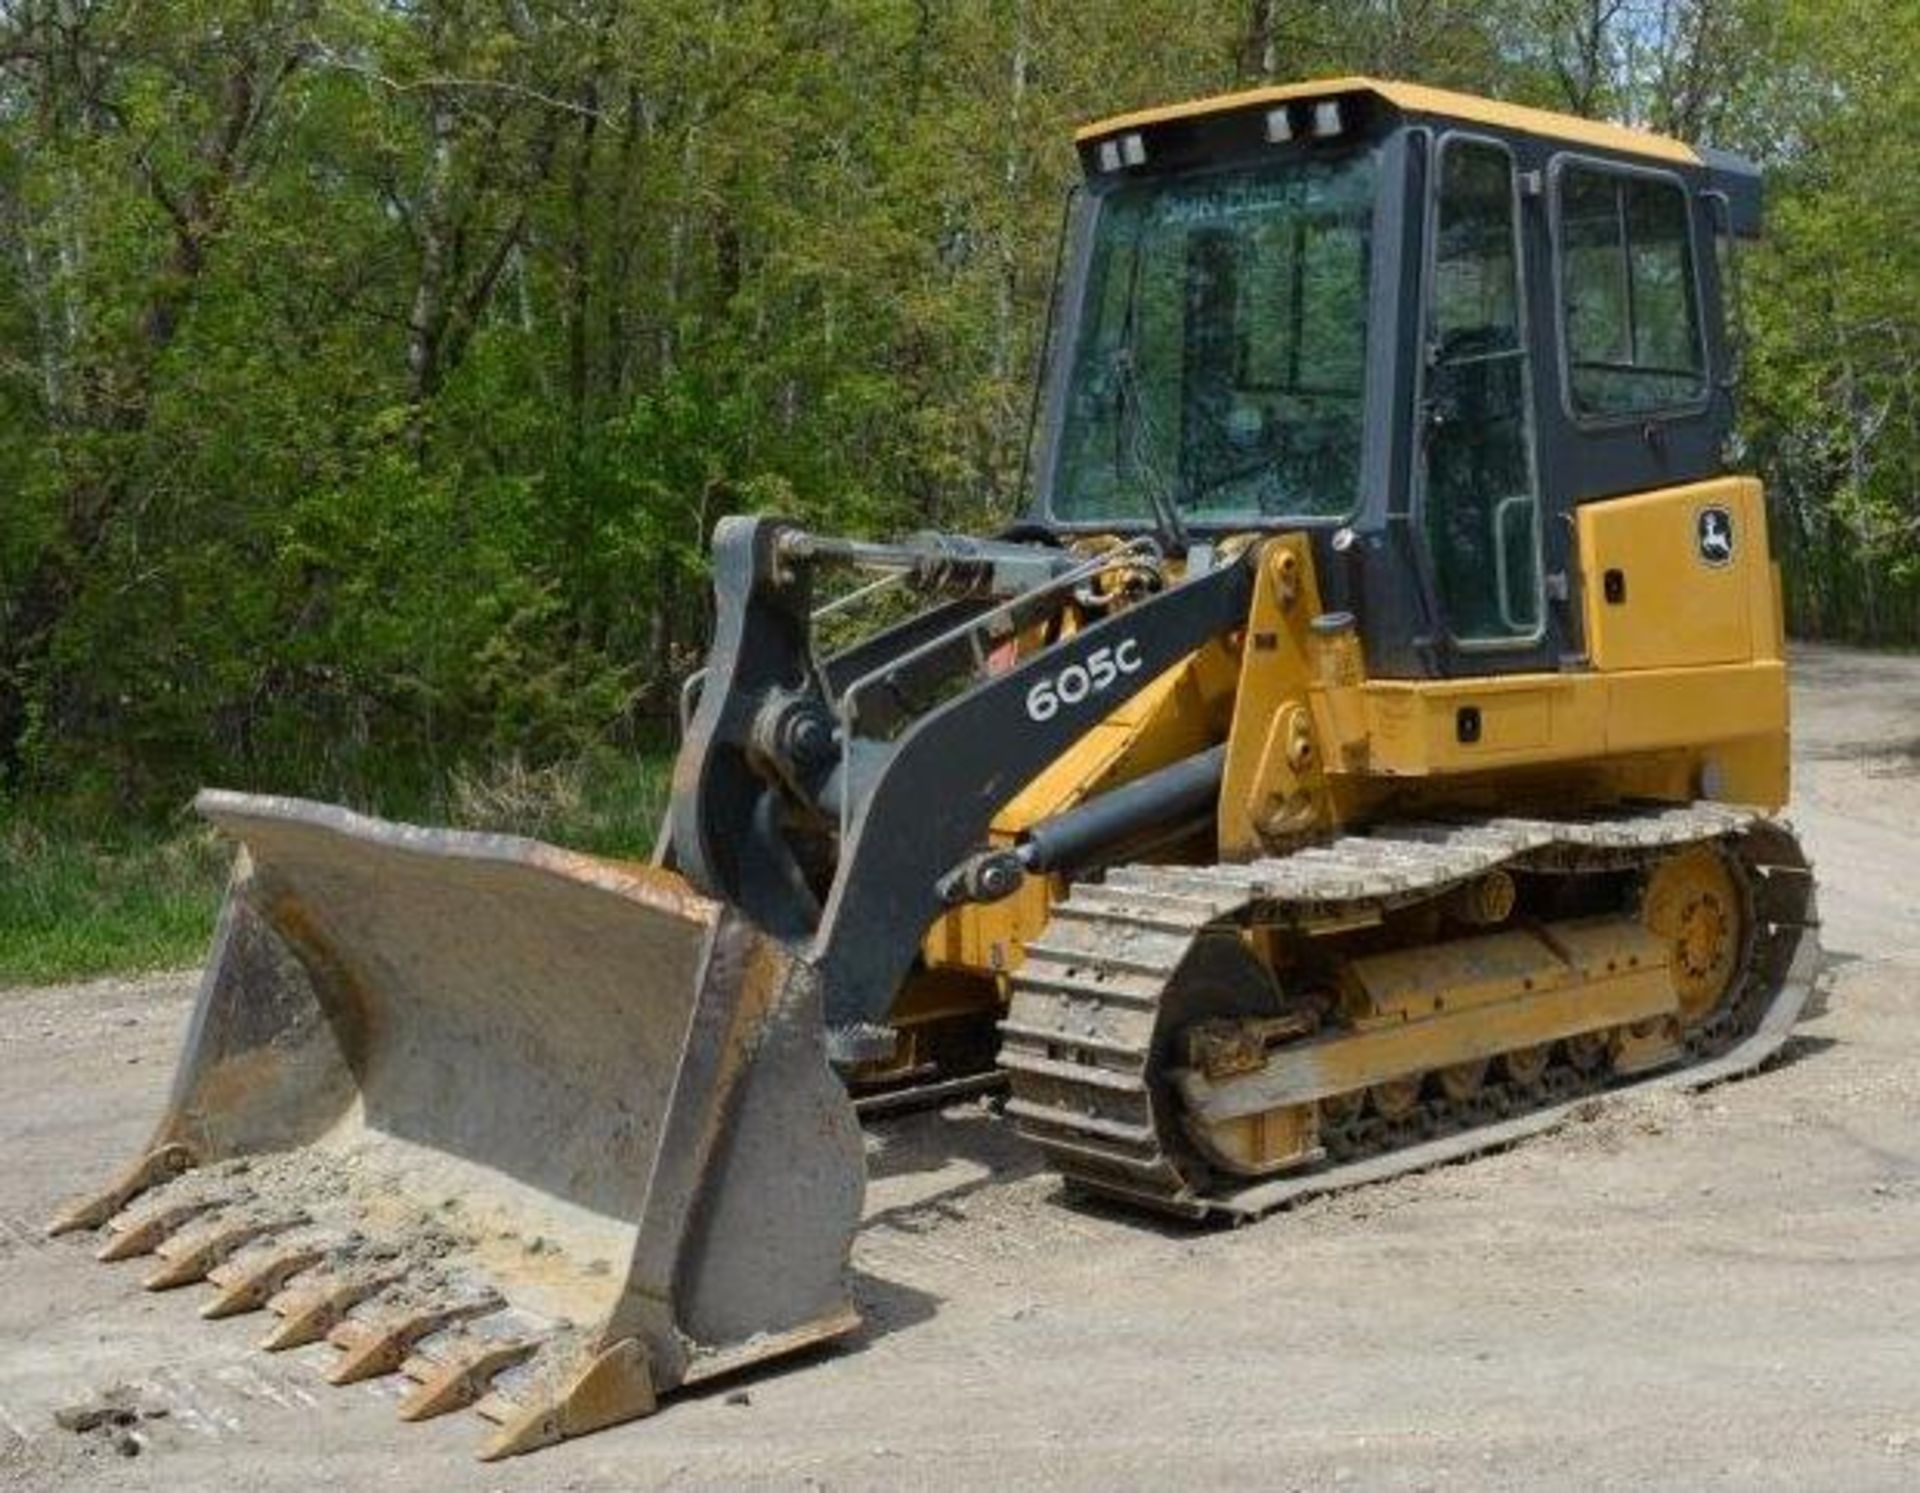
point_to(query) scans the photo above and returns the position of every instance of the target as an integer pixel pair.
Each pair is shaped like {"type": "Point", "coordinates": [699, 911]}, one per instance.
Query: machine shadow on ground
{"type": "Point", "coordinates": [974, 1134]}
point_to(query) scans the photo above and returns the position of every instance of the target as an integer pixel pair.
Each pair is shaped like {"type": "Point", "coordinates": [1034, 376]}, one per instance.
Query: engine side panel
{"type": "Point", "coordinates": [1678, 578]}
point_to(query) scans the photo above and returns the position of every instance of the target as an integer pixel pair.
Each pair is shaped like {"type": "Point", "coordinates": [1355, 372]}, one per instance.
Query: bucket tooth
{"type": "Point", "coordinates": [461, 1377]}
{"type": "Point", "coordinates": [615, 1385]}
{"type": "Point", "coordinates": [310, 1312]}
{"type": "Point", "coordinates": [162, 1164]}
{"type": "Point", "coordinates": [379, 1344]}
{"type": "Point", "coordinates": [498, 1407]}
{"type": "Point", "coordinates": [191, 1253]}
{"type": "Point", "coordinates": [247, 1284]}
{"type": "Point", "coordinates": [143, 1233]}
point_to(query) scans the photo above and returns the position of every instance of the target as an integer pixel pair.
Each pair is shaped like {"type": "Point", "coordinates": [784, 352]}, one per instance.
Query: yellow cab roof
{"type": "Point", "coordinates": [1414, 98]}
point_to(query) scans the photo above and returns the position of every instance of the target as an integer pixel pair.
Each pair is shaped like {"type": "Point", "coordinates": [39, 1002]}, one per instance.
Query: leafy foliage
{"type": "Point", "coordinates": [371, 375]}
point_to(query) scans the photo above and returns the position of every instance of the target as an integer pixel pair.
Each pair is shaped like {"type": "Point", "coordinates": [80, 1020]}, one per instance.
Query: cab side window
{"type": "Point", "coordinates": [1481, 510]}
{"type": "Point", "coordinates": [1631, 313]}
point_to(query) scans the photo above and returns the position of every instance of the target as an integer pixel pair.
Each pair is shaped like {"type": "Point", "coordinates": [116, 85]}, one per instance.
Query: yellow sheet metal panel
{"type": "Point", "coordinates": [1519, 721]}
{"type": "Point", "coordinates": [1273, 785]}
{"type": "Point", "coordinates": [1415, 99]}
{"type": "Point", "coordinates": [1610, 973]}
{"type": "Point", "coordinates": [1751, 770]}
{"type": "Point", "coordinates": [1415, 727]}
{"type": "Point", "coordinates": [1777, 601]}
{"type": "Point", "coordinates": [1685, 707]}
{"type": "Point", "coordinates": [1677, 577]}
{"type": "Point", "coordinates": [1182, 712]}
{"type": "Point", "coordinates": [1412, 984]}
{"type": "Point", "coordinates": [989, 938]}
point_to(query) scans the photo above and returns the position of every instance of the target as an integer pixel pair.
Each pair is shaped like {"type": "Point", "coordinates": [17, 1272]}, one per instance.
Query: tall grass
{"type": "Point", "coordinates": [605, 803]}
{"type": "Point", "coordinates": [72, 907]}
{"type": "Point", "coordinates": [79, 902]}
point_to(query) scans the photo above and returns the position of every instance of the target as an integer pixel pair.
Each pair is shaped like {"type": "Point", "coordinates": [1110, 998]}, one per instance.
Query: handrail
{"type": "Point", "coordinates": [846, 707]}
{"type": "Point", "coordinates": [690, 686]}
{"type": "Point", "coordinates": [1500, 563]}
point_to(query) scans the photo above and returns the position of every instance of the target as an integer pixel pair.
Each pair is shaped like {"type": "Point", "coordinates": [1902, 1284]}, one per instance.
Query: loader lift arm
{"type": "Point", "coordinates": [777, 741]}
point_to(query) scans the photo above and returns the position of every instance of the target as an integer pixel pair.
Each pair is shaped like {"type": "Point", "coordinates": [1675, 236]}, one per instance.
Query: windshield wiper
{"type": "Point", "coordinates": [1132, 431]}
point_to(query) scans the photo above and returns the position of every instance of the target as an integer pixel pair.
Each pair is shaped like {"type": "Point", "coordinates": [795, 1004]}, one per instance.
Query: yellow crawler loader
{"type": "Point", "coordinates": [1366, 745]}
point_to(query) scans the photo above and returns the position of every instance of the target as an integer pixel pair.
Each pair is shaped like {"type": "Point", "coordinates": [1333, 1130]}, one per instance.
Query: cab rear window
{"type": "Point", "coordinates": [1629, 298]}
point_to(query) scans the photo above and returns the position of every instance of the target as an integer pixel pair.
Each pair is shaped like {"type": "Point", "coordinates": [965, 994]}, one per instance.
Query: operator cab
{"type": "Point", "coordinates": [1419, 325]}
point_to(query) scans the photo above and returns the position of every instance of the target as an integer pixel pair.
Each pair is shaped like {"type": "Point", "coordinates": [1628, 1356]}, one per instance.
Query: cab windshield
{"type": "Point", "coordinates": [1221, 349]}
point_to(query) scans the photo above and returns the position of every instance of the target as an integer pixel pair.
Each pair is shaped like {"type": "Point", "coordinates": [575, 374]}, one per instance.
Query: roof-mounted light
{"type": "Point", "coordinates": [1327, 119]}
{"type": "Point", "coordinates": [1279, 126]}
{"type": "Point", "coordinates": [1122, 150]}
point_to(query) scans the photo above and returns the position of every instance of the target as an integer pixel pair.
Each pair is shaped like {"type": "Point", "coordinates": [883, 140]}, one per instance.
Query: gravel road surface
{"type": "Point", "coordinates": [1716, 1290]}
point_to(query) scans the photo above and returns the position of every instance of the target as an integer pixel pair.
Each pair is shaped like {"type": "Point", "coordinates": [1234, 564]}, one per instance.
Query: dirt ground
{"type": "Point", "coordinates": [1713, 1290]}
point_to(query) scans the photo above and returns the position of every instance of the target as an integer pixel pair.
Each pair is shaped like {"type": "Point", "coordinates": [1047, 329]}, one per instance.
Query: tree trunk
{"type": "Point", "coordinates": [1262, 50]}
{"type": "Point", "coordinates": [426, 318]}
{"type": "Point", "coordinates": [580, 261]}
{"type": "Point", "coordinates": [1005, 437]}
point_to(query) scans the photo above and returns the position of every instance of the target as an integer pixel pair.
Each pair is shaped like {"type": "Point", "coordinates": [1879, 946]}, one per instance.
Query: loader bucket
{"type": "Point", "coordinates": [548, 1134]}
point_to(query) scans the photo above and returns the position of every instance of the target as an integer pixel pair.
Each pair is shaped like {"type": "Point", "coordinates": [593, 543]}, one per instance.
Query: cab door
{"type": "Point", "coordinates": [1477, 485]}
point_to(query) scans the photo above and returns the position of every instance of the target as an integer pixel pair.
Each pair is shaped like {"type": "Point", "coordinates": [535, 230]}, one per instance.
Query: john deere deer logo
{"type": "Point", "coordinates": [1714, 533]}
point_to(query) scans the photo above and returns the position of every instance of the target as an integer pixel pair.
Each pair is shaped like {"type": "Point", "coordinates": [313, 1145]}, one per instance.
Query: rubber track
{"type": "Point", "coordinates": [1082, 1021]}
